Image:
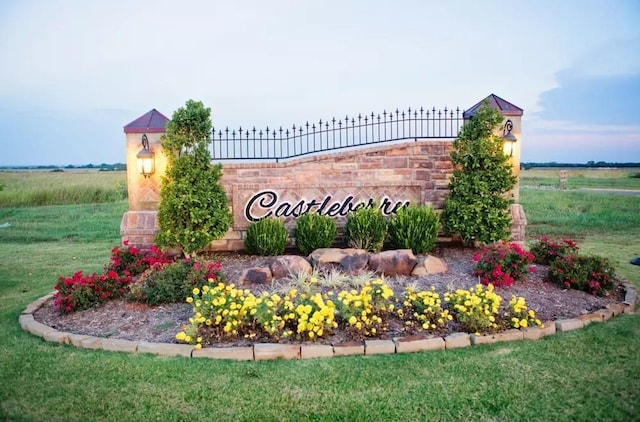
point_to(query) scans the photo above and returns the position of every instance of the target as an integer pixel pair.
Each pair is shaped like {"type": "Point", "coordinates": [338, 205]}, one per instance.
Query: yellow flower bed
{"type": "Point", "coordinates": [224, 312]}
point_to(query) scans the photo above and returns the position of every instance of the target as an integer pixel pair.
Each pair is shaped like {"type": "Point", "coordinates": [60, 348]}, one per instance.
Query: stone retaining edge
{"type": "Point", "coordinates": [271, 351]}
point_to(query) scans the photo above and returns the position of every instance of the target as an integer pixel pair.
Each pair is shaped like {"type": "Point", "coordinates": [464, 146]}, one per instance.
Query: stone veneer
{"type": "Point", "coordinates": [418, 172]}
{"type": "Point", "coordinates": [270, 351]}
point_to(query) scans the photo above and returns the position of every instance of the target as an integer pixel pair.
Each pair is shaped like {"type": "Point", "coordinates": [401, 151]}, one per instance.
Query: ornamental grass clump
{"type": "Point", "coordinates": [414, 227]}
{"type": "Point", "coordinates": [423, 311]}
{"type": "Point", "coordinates": [476, 310]}
{"type": "Point", "coordinates": [366, 229]}
{"type": "Point", "coordinates": [266, 237]}
{"type": "Point", "coordinates": [314, 231]}
{"type": "Point", "coordinates": [502, 264]}
{"type": "Point", "coordinates": [546, 250]}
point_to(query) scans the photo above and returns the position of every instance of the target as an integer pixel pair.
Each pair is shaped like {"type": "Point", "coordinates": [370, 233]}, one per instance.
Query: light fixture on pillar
{"type": "Point", "coordinates": [145, 158]}
{"type": "Point", "coordinates": [509, 138]}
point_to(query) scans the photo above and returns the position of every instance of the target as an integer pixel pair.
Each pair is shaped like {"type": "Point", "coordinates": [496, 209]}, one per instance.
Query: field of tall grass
{"type": "Point", "coordinates": [26, 188]}
{"type": "Point", "coordinates": [590, 374]}
{"type": "Point", "coordinates": [606, 178]}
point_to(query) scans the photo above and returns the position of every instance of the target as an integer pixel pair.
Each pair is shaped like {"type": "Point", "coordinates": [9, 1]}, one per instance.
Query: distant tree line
{"type": "Point", "coordinates": [99, 167]}
{"type": "Point", "coordinates": [588, 164]}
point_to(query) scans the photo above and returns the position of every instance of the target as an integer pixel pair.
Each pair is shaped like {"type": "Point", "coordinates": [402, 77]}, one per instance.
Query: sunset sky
{"type": "Point", "coordinates": [73, 73]}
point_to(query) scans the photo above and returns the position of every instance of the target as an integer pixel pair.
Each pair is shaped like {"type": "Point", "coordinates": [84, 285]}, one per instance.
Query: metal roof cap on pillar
{"type": "Point", "coordinates": [151, 122]}
{"type": "Point", "coordinates": [503, 106]}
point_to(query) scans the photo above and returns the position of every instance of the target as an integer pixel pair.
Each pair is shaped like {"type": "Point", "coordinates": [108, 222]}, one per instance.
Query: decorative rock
{"type": "Point", "coordinates": [310, 351]}
{"type": "Point", "coordinates": [509, 335]}
{"type": "Point", "coordinates": [257, 275]}
{"type": "Point", "coordinates": [231, 353]}
{"type": "Point", "coordinates": [348, 349]}
{"type": "Point", "coordinates": [379, 347]}
{"type": "Point", "coordinates": [430, 265]}
{"type": "Point", "coordinates": [165, 349]}
{"type": "Point", "coordinates": [271, 351]}
{"type": "Point", "coordinates": [564, 325]}
{"type": "Point", "coordinates": [418, 344]}
{"type": "Point", "coordinates": [455, 340]}
{"type": "Point", "coordinates": [351, 261]}
{"type": "Point", "coordinates": [392, 263]}
{"type": "Point", "coordinates": [288, 265]}
{"type": "Point", "coordinates": [119, 345]}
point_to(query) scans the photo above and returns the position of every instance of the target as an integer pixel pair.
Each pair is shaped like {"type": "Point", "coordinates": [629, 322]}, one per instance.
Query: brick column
{"type": "Point", "coordinates": [139, 224]}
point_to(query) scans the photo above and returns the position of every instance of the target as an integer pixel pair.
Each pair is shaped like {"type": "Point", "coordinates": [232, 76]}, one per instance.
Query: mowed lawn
{"type": "Point", "coordinates": [590, 374]}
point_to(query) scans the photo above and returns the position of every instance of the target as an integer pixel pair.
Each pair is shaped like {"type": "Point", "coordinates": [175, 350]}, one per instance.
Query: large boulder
{"type": "Point", "coordinates": [256, 275]}
{"type": "Point", "coordinates": [290, 265]}
{"type": "Point", "coordinates": [392, 263]}
{"type": "Point", "coordinates": [430, 265]}
{"type": "Point", "coordinates": [350, 261]}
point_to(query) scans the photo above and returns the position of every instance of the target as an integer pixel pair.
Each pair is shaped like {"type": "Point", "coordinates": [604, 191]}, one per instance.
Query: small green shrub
{"type": "Point", "coordinates": [366, 229]}
{"type": "Point", "coordinates": [591, 274]}
{"type": "Point", "coordinates": [267, 237]}
{"type": "Point", "coordinates": [314, 231]}
{"type": "Point", "coordinates": [632, 176]}
{"type": "Point", "coordinates": [414, 227]}
{"type": "Point", "coordinates": [173, 282]}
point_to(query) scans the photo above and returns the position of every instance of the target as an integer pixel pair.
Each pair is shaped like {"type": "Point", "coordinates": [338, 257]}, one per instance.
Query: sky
{"type": "Point", "coordinates": [73, 73]}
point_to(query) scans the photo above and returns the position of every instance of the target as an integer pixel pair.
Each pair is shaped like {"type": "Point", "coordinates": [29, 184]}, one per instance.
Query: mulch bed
{"type": "Point", "coordinates": [133, 321]}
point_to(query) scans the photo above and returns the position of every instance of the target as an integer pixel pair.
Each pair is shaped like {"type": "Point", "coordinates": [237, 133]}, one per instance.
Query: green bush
{"type": "Point", "coordinates": [366, 229]}
{"type": "Point", "coordinates": [314, 231]}
{"type": "Point", "coordinates": [591, 273]}
{"type": "Point", "coordinates": [171, 283]}
{"type": "Point", "coordinates": [267, 237]}
{"type": "Point", "coordinates": [477, 208]}
{"type": "Point", "coordinates": [414, 227]}
{"type": "Point", "coordinates": [193, 205]}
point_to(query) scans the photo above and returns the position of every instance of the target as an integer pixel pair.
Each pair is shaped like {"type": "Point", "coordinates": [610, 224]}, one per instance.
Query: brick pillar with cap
{"type": "Point", "coordinates": [139, 225]}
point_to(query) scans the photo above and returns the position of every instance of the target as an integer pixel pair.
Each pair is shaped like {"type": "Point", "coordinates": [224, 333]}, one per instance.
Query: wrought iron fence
{"type": "Point", "coordinates": [278, 144]}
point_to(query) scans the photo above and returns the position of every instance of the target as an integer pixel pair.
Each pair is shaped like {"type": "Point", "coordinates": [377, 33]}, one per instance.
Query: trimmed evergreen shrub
{"type": "Point", "coordinates": [366, 229]}
{"type": "Point", "coordinates": [193, 206]}
{"type": "Point", "coordinates": [414, 227]}
{"type": "Point", "coordinates": [477, 208]}
{"type": "Point", "coordinates": [267, 237]}
{"type": "Point", "coordinates": [314, 231]}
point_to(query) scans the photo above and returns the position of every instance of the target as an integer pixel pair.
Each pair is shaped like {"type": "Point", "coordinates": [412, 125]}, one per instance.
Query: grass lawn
{"type": "Point", "coordinates": [590, 374]}
{"type": "Point", "coordinates": [627, 178]}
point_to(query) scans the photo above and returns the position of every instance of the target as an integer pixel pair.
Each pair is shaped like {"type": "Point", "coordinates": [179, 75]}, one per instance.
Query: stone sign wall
{"type": "Point", "coordinates": [333, 184]}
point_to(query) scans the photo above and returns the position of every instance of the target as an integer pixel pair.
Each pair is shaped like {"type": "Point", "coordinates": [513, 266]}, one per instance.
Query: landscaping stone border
{"type": "Point", "coordinates": [271, 351]}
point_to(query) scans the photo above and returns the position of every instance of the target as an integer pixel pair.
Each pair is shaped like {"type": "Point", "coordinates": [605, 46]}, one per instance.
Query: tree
{"type": "Point", "coordinates": [193, 206]}
{"type": "Point", "coordinates": [477, 208]}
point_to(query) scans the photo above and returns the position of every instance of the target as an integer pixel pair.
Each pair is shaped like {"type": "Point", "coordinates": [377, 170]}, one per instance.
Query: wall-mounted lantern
{"type": "Point", "coordinates": [509, 138]}
{"type": "Point", "coordinates": [145, 158]}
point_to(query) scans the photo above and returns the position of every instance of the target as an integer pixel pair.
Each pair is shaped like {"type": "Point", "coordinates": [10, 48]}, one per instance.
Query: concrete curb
{"type": "Point", "coordinates": [294, 351]}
